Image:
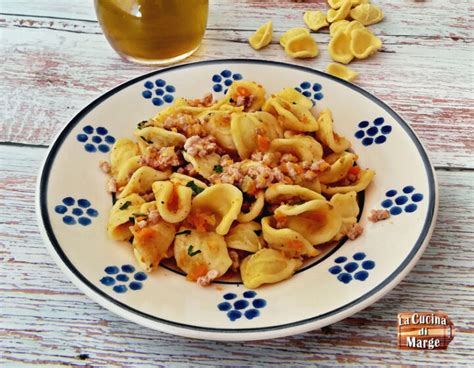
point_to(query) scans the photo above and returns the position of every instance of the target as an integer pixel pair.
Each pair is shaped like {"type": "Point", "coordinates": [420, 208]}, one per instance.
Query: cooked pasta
{"type": "Point", "coordinates": [246, 184]}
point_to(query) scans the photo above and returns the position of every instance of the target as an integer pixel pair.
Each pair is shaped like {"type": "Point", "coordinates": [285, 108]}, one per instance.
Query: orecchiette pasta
{"type": "Point", "coordinates": [341, 13]}
{"type": "Point", "coordinates": [173, 201]}
{"type": "Point", "coordinates": [303, 147]}
{"type": "Point", "coordinates": [267, 266]}
{"type": "Point", "coordinates": [217, 124]}
{"type": "Point", "coordinates": [250, 183]}
{"type": "Point", "coordinates": [203, 165]}
{"type": "Point", "coordinates": [339, 47]}
{"type": "Point", "coordinates": [120, 214]}
{"type": "Point", "coordinates": [221, 203]}
{"type": "Point", "coordinates": [348, 208]}
{"type": "Point", "coordinates": [278, 193]}
{"type": "Point", "coordinates": [182, 179]}
{"type": "Point", "coordinates": [243, 128]}
{"type": "Point", "coordinates": [327, 135]}
{"type": "Point", "coordinates": [341, 71]}
{"type": "Point", "coordinates": [287, 240]}
{"type": "Point", "coordinates": [315, 20]}
{"type": "Point", "coordinates": [123, 150]}
{"type": "Point", "coordinates": [315, 220]}
{"type": "Point", "coordinates": [302, 46]}
{"type": "Point", "coordinates": [142, 180]}
{"type": "Point", "coordinates": [367, 14]}
{"type": "Point", "coordinates": [336, 4]}
{"type": "Point", "coordinates": [245, 236]}
{"type": "Point", "coordinates": [292, 32]}
{"type": "Point", "coordinates": [262, 36]}
{"type": "Point", "coordinates": [364, 43]}
{"type": "Point", "coordinates": [255, 208]}
{"type": "Point", "coordinates": [151, 243]}
{"type": "Point", "coordinates": [291, 115]}
{"type": "Point", "coordinates": [248, 94]}
{"type": "Point", "coordinates": [159, 137]}
{"type": "Point", "coordinates": [362, 182]}
{"type": "Point", "coordinates": [294, 97]}
{"type": "Point", "coordinates": [197, 253]}
{"type": "Point", "coordinates": [339, 169]}
{"type": "Point", "coordinates": [337, 26]}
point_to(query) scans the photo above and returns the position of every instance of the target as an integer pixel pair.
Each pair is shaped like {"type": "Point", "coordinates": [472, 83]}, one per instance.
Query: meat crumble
{"type": "Point", "coordinates": [378, 215]}
{"type": "Point", "coordinates": [160, 158]}
{"type": "Point", "coordinates": [200, 147]}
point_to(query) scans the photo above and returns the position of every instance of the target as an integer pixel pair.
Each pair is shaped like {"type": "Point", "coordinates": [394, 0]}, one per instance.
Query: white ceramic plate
{"type": "Point", "coordinates": [73, 206]}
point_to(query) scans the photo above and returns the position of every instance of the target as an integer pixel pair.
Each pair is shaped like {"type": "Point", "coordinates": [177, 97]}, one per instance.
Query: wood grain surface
{"type": "Point", "coordinates": [54, 60]}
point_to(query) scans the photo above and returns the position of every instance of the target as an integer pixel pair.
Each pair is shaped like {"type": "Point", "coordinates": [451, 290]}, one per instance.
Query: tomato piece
{"type": "Point", "coordinates": [243, 91]}
{"type": "Point", "coordinates": [263, 143]}
{"type": "Point", "coordinates": [354, 170]}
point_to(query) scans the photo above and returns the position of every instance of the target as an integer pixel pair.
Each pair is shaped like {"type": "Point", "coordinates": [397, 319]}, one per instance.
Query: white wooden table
{"type": "Point", "coordinates": [54, 60]}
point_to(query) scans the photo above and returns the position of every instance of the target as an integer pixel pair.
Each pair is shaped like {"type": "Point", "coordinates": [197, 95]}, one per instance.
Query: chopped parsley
{"type": "Point", "coordinates": [258, 232]}
{"type": "Point", "coordinates": [132, 220]}
{"type": "Point", "coordinates": [218, 169]}
{"type": "Point", "coordinates": [146, 140]}
{"type": "Point", "coordinates": [184, 232]}
{"type": "Point", "coordinates": [125, 205]}
{"type": "Point", "coordinates": [142, 124]}
{"type": "Point", "coordinates": [196, 189]}
{"type": "Point", "coordinates": [191, 253]}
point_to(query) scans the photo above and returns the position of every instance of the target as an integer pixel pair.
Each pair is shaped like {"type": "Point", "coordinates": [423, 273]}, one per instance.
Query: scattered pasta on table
{"type": "Point", "coordinates": [350, 38]}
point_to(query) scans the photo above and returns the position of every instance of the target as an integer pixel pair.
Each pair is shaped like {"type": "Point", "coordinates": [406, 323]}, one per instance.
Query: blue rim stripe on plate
{"type": "Point", "coordinates": [46, 169]}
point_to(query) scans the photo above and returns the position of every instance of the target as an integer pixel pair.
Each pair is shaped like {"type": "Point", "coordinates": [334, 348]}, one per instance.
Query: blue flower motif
{"type": "Point", "coordinates": [123, 278]}
{"type": "Point", "coordinates": [159, 92]}
{"type": "Point", "coordinates": [373, 133]}
{"type": "Point", "coordinates": [406, 200]}
{"type": "Point", "coordinates": [248, 305]}
{"type": "Point", "coordinates": [224, 79]}
{"type": "Point", "coordinates": [96, 139]}
{"type": "Point", "coordinates": [347, 270]}
{"type": "Point", "coordinates": [312, 91]}
{"type": "Point", "coordinates": [76, 212]}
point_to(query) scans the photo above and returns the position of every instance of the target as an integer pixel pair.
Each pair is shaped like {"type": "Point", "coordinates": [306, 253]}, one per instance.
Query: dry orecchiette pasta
{"type": "Point", "coordinates": [341, 71]}
{"type": "Point", "coordinates": [262, 36]}
{"type": "Point", "coordinates": [341, 13]}
{"type": "Point", "coordinates": [292, 32]}
{"type": "Point", "coordinates": [367, 14]}
{"type": "Point", "coordinates": [249, 184]}
{"type": "Point", "coordinates": [315, 20]}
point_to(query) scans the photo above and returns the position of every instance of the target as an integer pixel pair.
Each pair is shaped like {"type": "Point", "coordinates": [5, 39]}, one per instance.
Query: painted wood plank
{"type": "Point", "coordinates": [418, 18]}
{"type": "Point", "coordinates": [45, 320]}
{"type": "Point", "coordinates": [52, 68]}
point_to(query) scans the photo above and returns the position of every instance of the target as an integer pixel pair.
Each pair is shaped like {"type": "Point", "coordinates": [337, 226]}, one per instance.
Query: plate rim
{"type": "Point", "coordinates": [230, 334]}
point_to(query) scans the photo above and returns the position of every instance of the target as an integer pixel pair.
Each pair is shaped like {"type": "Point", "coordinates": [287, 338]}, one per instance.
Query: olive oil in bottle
{"type": "Point", "coordinates": [153, 31]}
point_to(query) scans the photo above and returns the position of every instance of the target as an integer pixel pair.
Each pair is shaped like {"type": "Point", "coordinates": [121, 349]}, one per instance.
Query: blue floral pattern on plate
{"type": "Point", "coordinates": [224, 79]}
{"type": "Point", "coordinates": [347, 270]}
{"type": "Point", "coordinates": [76, 212]}
{"type": "Point", "coordinates": [123, 278]}
{"type": "Point", "coordinates": [373, 133]}
{"type": "Point", "coordinates": [159, 92]}
{"type": "Point", "coordinates": [95, 139]}
{"type": "Point", "coordinates": [248, 305]}
{"type": "Point", "coordinates": [313, 91]}
{"type": "Point", "coordinates": [406, 200]}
